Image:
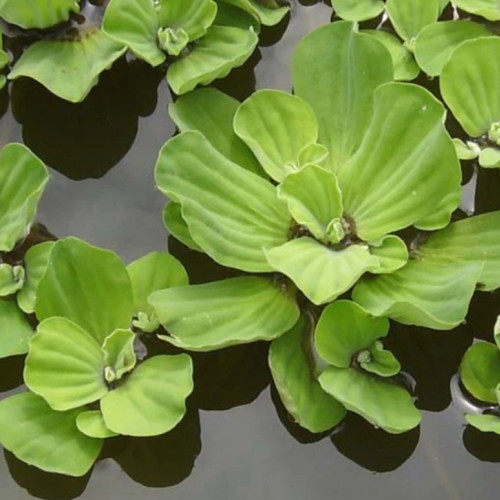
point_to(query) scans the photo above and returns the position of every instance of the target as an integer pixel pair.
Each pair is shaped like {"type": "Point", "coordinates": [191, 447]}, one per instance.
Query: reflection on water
{"type": "Point", "coordinates": [236, 442]}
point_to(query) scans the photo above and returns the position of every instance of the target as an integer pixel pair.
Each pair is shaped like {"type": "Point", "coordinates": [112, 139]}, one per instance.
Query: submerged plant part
{"type": "Point", "coordinates": [82, 370]}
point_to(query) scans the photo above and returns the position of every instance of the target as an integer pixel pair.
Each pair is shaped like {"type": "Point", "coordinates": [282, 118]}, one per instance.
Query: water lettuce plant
{"type": "Point", "coordinates": [85, 379]}
{"type": "Point", "coordinates": [41, 14]}
{"type": "Point", "coordinates": [480, 374]}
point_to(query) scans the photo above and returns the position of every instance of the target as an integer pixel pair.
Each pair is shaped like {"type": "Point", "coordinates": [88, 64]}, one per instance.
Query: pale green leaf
{"type": "Point", "coordinates": [484, 423]}
{"type": "Point", "coordinates": [381, 362]}
{"type": "Point", "coordinates": [46, 438]}
{"type": "Point", "coordinates": [405, 166]}
{"type": "Point", "coordinates": [37, 13]}
{"type": "Point", "coordinates": [276, 126]}
{"type": "Point", "coordinates": [36, 260]}
{"type": "Point", "coordinates": [11, 279]}
{"type": "Point", "coordinates": [172, 41]}
{"type": "Point", "coordinates": [468, 150]}
{"type": "Point", "coordinates": [224, 313]}
{"type": "Point", "coordinates": [313, 153]}
{"type": "Point", "coordinates": [468, 84]}
{"type": "Point", "coordinates": [437, 41]}
{"type": "Point", "coordinates": [391, 253]}
{"type": "Point", "coordinates": [338, 83]}
{"type": "Point", "coordinates": [344, 329]}
{"type": "Point", "coordinates": [177, 226]}
{"type": "Point", "coordinates": [358, 10]}
{"type": "Point", "coordinates": [15, 330]}
{"type": "Point", "coordinates": [381, 402]}
{"type": "Point", "coordinates": [480, 371]}
{"type": "Point", "coordinates": [23, 178]}
{"type": "Point", "coordinates": [222, 49]}
{"type": "Point", "coordinates": [69, 68]}
{"type": "Point", "coordinates": [135, 24]}
{"type": "Point", "coordinates": [65, 365]}
{"type": "Point", "coordinates": [119, 355]}
{"type": "Point", "coordinates": [268, 15]}
{"type": "Point", "coordinates": [489, 158]}
{"type": "Point", "coordinates": [320, 272]}
{"type": "Point", "coordinates": [405, 67]}
{"type": "Point", "coordinates": [314, 199]}
{"type": "Point", "coordinates": [152, 400]}
{"type": "Point", "coordinates": [76, 287]}
{"type": "Point", "coordinates": [489, 9]}
{"type": "Point", "coordinates": [231, 213]}
{"type": "Point", "coordinates": [211, 112]}
{"type": "Point", "coordinates": [230, 15]}
{"type": "Point", "coordinates": [310, 406]}
{"type": "Point", "coordinates": [92, 424]}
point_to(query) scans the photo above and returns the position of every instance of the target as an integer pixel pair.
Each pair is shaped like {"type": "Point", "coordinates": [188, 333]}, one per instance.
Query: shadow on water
{"type": "Point", "coordinates": [485, 446]}
{"type": "Point", "coordinates": [86, 140]}
{"type": "Point", "coordinates": [11, 373]}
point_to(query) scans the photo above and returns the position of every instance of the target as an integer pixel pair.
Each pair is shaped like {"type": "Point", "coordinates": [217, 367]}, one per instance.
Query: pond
{"type": "Point", "coordinates": [236, 442]}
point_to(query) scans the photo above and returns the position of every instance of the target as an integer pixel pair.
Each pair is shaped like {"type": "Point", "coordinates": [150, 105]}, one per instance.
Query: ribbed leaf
{"type": "Point", "coordinates": [69, 68]}
{"type": "Point", "coordinates": [15, 330]}
{"type": "Point", "coordinates": [222, 49]}
{"type": "Point", "coordinates": [152, 400]}
{"type": "Point", "coordinates": [46, 438]}
{"type": "Point", "coordinates": [344, 329]}
{"type": "Point", "coordinates": [135, 24]}
{"type": "Point", "coordinates": [484, 423]}
{"type": "Point", "coordinates": [11, 279]}
{"type": "Point", "coordinates": [381, 362]}
{"type": "Point", "coordinates": [437, 41]}
{"type": "Point", "coordinates": [276, 126]}
{"type": "Point", "coordinates": [405, 67]}
{"type": "Point", "coordinates": [65, 365]}
{"type": "Point", "coordinates": [38, 13]}
{"type": "Point", "coordinates": [320, 272]}
{"type": "Point", "coordinates": [391, 252]}
{"type": "Point", "coordinates": [405, 167]}
{"type": "Point", "coordinates": [358, 10]}
{"type": "Point", "coordinates": [268, 16]}
{"type": "Point", "coordinates": [489, 9]}
{"type": "Point", "coordinates": [92, 424]}
{"type": "Point", "coordinates": [232, 214]}
{"type": "Point", "coordinates": [383, 403]}
{"type": "Point", "coordinates": [338, 83]}
{"type": "Point", "coordinates": [300, 392]}
{"type": "Point", "coordinates": [224, 313]}
{"type": "Point", "coordinates": [480, 371]}
{"type": "Point", "coordinates": [177, 226]}
{"type": "Point", "coordinates": [75, 287]}
{"type": "Point", "coordinates": [119, 355]}
{"type": "Point", "coordinates": [23, 178]}
{"type": "Point", "coordinates": [211, 112]}
{"type": "Point", "coordinates": [36, 260]}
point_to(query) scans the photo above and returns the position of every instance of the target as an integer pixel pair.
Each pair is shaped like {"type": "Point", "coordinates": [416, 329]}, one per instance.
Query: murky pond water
{"type": "Point", "coordinates": [236, 442]}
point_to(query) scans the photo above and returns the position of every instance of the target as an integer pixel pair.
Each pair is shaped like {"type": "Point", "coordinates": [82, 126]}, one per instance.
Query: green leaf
{"type": "Point", "coordinates": [391, 253]}
{"type": "Point", "coordinates": [276, 126]}
{"type": "Point", "coordinates": [211, 112]}
{"type": "Point", "coordinates": [224, 313]}
{"type": "Point", "coordinates": [75, 287]}
{"type": "Point", "coordinates": [489, 158]}
{"type": "Point", "coordinates": [119, 354]}
{"type": "Point", "coordinates": [314, 200]}
{"type": "Point", "coordinates": [480, 371]}
{"type": "Point", "coordinates": [484, 423]}
{"type": "Point", "coordinates": [36, 260]}
{"type": "Point", "coordinates": [358, 10]}
{"type": "Point", "coordinates": [338, 83]}
{"type": "Point", "coordinates": [172, 41]}
{"type": "Point", "coordinates": [310, 406]}
{"type": "Point", "coordinates": [135, 24]}
{"type": "Point", "coordinates": [468, 84]}
{"type": "Point", "coordinates": [92, 424]}
{"type": "Point", "coordinates": [381, 362]}
{"type": "Point", "coordinates": [344, 329]}
{"type": "Point", "coordinates": [468, 150]}
{"type": "Point", "coordinates": [65, 365]}
{"type": "Point", "coordinates": [268, 16]}
{"type": "Point", "coordinates": [405, 67]}
{"type": "Point", "coordinates": [381, 402]}
{"type": "Point", "coordinates": [320, 272]}
{"type": "Point", "coordinates": [232, 214]}
{"type": "Point", "coordinates": [194, 17]}
{"type": "Point", "coordinates": [230, 15]}
{"type": "Point", "coordinates": [177, 226]}
{"type": "Point", "coordinates": [409, 18]}
{"type": "Point", "coordinates": [222, 49]}
{"type": "Point", "coordinates": [437, 41]}
{"type": "Point", "coordinates": [488, 9]}
{"type": "Point", "coordinates": [406, 168]}
{"type": "Point", "coordinates": [155, 271]}
{"type": "Point", "coordinates": [46, 438]}
{"type": "Point", "coordinates": [15, 330]}
{"type": "Point", "coordinates": [11, 279]}
{"type": "Point", "coordinates": [69, 68]}
{"type": "Point", "coordinates": [23, 178]}
{"type": "Point", "coordinates": [152, 400]}
{"type": "Point", "coordinates": [39, 13]}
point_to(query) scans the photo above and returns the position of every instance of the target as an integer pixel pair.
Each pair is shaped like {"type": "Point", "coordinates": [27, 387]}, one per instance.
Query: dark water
{"type": "Point", "coordinates": [236, 442]}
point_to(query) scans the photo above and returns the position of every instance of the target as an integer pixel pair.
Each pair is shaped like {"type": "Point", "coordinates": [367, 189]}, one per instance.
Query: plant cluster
{"type": "Point", "coordinates": [338, 206]}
